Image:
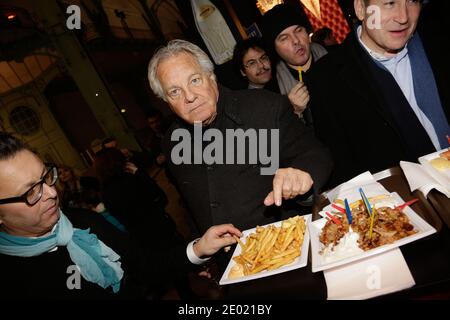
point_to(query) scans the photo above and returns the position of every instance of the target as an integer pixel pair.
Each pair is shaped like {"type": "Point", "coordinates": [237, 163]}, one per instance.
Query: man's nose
{"type": "Point", "coordinates": [402, 15]}
{"type": "Point", "coordinates": [260, 63]}
{"type": "Point", "coordinates": [48, 192]}
{"type": "Point", "coordinates": [298, 40]}
{"type": "Point", "coordinates": [190, 96]}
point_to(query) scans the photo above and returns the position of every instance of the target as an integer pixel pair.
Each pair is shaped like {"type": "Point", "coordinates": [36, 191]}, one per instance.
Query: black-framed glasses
{"type": "Point", "coordinates": [253, 63]}
{"type": "Point", "coordinates": [34, 194]}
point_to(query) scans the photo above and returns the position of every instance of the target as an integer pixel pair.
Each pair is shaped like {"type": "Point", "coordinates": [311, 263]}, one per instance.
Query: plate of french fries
{"type": "Point", "coordinates": [271, 249]}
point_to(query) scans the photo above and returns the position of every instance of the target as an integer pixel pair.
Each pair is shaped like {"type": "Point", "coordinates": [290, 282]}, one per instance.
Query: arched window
{"type": "Point", "coordinates": [24, 120]}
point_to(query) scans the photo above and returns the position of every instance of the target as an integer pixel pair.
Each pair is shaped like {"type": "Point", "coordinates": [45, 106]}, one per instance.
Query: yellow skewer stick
{"type": "Point", "coordinates": [371, 222]}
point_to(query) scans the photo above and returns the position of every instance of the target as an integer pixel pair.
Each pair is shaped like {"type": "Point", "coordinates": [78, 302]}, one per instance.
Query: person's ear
{"type": "Point", "coordinates": [243, 73]}
{"type": "Point", "coordinates": [360, 9]}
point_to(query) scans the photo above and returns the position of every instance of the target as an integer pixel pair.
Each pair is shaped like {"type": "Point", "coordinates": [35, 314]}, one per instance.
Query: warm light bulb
{"type": "Point", "coordinates": [266, 5]}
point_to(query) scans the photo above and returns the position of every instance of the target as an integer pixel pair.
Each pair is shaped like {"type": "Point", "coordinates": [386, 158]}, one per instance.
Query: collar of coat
{"type": "Point", "coordinates": [227, 106]}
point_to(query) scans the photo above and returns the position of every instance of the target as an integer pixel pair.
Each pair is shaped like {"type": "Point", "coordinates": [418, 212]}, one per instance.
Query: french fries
{"type": "Point", "coordinates": [357, 203]}
{"type": "Point", "coordinates": [270, 247]}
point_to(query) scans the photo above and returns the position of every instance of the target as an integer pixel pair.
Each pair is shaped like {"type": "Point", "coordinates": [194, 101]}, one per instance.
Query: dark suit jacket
{"type": "Point", "coordinates": [234, 193]}
{"type": "Point", "coordinates": [138, 203]}
{"type": "Point", "coordinates": [351, 115]}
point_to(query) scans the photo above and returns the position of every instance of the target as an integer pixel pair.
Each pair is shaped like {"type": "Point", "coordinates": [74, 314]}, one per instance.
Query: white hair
{"type": "Point", "coordinates": [174, 48]}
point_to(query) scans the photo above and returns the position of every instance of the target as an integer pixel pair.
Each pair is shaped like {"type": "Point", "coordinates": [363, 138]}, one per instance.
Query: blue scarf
{"type": "Point", "coordinates": [97, 262]}
{"type": "Point", "coordinates": [111, 219]}
{"type": "Point", "coordinates": [425, 90]}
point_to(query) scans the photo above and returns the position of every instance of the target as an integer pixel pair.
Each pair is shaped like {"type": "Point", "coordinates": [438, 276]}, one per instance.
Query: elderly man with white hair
{"type": "Point", "coordinates": [218, 192]}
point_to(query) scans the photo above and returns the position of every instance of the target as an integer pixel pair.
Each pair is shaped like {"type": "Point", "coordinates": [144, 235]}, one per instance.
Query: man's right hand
{"type": "Point", "coordinates": [287, 184]}
{"type": "Point", "coordinates": [299, 97]}
{"type": "Point", "coordinates": [215, 238]}
{"type": "Point", "coordinates": [130, 167]}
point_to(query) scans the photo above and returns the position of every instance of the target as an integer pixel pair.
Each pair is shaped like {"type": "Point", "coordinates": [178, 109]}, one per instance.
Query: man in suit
{"type": "Point", "coordinates": [183, 75]}
{"type": "Point", "coordinates": [377, 99]}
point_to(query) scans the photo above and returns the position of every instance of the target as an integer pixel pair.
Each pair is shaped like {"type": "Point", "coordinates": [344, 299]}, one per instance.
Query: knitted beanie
{"type": "Point", "coordinates": [279, 18]}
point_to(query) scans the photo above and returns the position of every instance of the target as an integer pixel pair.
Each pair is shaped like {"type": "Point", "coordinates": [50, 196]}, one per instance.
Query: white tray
{"type": "Point", "coordinates": [443, 177]}
{"type": "Point", "coordinates": [299, 262]}
{"type": "Point", "coordinates": [315, 228]}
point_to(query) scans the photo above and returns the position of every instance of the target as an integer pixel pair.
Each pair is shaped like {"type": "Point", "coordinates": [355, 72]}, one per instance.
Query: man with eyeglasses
{"type": "Point", "coordinates": [43, 249]}
{"type": "Point", "coordinates": [252, 62]}
{"type": "Point", "coordinates": [285, 33]}
{"type": "Point", "coordinates": [34, 194]}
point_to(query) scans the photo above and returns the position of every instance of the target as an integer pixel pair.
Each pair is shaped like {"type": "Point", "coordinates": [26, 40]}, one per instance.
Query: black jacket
{"type": "Point", "coordinates": [352, 115]}
{"type": "Point", "coordinates": [234, 193]}
{"type": "Point", "coordinates": [136, 201]}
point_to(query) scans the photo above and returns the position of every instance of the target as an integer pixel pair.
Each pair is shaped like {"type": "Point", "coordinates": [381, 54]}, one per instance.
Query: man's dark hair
{"type": "Point", "coordinates": [10, 145]}
{"type": "Point", "coordinates": [241, 49]}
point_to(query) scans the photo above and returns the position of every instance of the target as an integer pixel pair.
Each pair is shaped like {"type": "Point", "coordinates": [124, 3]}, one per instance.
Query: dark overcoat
{"type": "Point", "coordinates": [234, 193]}
{"type": "Point", "coordinates": [352, 112]}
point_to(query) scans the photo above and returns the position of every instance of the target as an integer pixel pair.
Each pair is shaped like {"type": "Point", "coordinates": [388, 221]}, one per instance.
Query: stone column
{"type": "Point", "coordinates": [84, 73]}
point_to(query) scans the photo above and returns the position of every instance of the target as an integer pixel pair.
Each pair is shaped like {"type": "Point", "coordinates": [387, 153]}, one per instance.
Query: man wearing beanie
{"type": "Point", "coordinates": [285, 32]}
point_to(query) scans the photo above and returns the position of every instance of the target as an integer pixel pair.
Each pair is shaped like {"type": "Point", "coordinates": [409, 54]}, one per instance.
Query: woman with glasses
{"type": "Point", "coordinates": [48, 253]}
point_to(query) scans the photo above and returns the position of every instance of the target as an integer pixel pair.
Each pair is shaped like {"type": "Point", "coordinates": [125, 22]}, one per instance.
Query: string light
{"type": "Point", "coordinates": [266, 5]}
